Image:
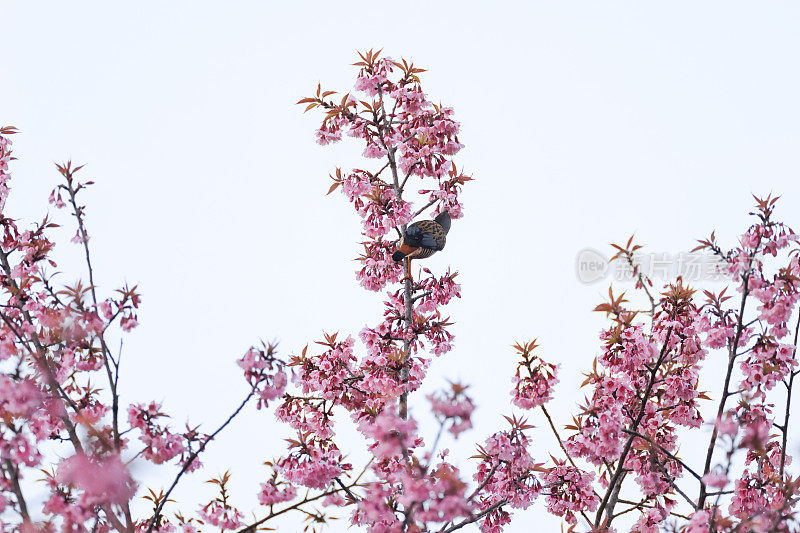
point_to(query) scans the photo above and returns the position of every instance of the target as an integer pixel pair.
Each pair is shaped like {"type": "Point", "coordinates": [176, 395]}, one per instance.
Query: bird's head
{"type": "Point", "coordinates": [443, 219]}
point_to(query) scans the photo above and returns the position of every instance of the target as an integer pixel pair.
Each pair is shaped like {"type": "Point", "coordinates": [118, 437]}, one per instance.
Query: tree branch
{"type": "Point", "coordinates": [785, 429]}
{"type": "Point", "coordinates": [732, 354]}
{"type": "Point", "coordinates": [191, 459]}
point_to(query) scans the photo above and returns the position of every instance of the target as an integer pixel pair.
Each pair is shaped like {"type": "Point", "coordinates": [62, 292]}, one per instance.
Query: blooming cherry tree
{"type": "Point", "coordinates": [617, 464]}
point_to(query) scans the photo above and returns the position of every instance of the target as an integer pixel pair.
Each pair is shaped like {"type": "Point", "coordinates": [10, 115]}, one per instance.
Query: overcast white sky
{"type": "Point", "coordinates": [583, 122]}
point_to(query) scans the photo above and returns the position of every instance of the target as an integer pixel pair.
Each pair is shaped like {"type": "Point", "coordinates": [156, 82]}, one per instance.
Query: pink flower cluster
{"type": "Point", "coordinates": [383, 212]}
{"type": "Point", "coordinates": [264, 372]}
{"type": "Point", "coordinates": [274, 492]}
{"type": "Point", "coordinates": [161, 445]}
{"type": "Point", "coordinates": [221, 515]}
{"type": "Point", "coordinates": [599, 434]}
{"type": "Point", "coordinates": [506, 473]}
{"type": "Point", "coordinates": [102, 479]}
{"type": "Point", "coordinates": [313, 463]}
{"type": "Point", "coordinates": [569, 491]}
{"type": "Point", "coordinates": [377, 266]}
{"type": "Point", "coordinates": [436, 291]}
{"type": "Point", "coordinates": [435, 494]}
{"type": "Point", "coordinates": [392, 435]}
{"type": "Point", "coordinates": [19, 398]}
{"type": "Point", "coordinates": [330, 375]}
{"type": "Point", "coordinates": [662, 365]}
{"type": "Point", "coordinates": [5, 158]}
{"type": "Point", "coordinates": [534, 380]}
{"type": "Point", "coordinates": [453, 405]}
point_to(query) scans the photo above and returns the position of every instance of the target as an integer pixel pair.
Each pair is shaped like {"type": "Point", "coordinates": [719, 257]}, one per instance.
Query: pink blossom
{"type": "Point", "coordinates": [569, 491]}
{"type": "Point", "coordinates": [161, 445]}
{"type": "Point", "coordinates": [128, 322]}
{"type": "Point", "coordinates": [55, 198]}
{"type": "Point", "coordinates": [699, 522]}
{"type": "Point", "coordinates": [79, 238]}
{"type": "Point", "coordinates": [373, 150]}
{"type": "Point", "coordinates": [536, 388]}
{"type": "Point", "coordinates": [314, 464]}
{"type": "Point", "coordinates": [727, 425]}
{"type": "Point", "coordinates": [392, 434]}
{"type": "Point", "coordinates": [717, 480]}
{"type": "Point", "coordinates": [103, 479]}
{"type": "Point", "coordinates": [507, 471]}
{"type": "Point", "coordinates": [273, 492]}
{"type": "Point", "coordinates": [264, 372]}
{"type": "Point", "coordinates": [374, 512]}
{"type": "Point", "coordinates": [106, 309]}
{"type": "Point", "coordinates": [221, 515]}
{"type": "Point", "coordinates": [453, 405]}
{"type": "Point", "coordinates": [19, 398]}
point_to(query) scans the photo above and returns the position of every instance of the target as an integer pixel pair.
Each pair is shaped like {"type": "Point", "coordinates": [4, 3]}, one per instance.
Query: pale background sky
{"type": "Point", "coordinates": [583, 123]}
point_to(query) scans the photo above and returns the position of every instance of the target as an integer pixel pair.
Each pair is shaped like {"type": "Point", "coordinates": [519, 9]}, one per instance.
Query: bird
{"type": "Point", "coordinates": [423, 239]}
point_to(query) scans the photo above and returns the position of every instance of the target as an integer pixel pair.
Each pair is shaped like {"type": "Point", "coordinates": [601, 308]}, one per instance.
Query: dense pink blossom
{"type": "Point", "coordinates": [272, 493]}
{"type": "Point", "coordinates": [645, 388]}
{"type": "Point", "coordinates": [160, 444]}
{"type": "Point", "coordinates": [102, 479]}
{"type": "Point", "coordinates": [569, 491]}
{"type": "Point", "coordinates": [221, 516]}
{"type": "Point", "coordinates": [454, 406]}
{"type": "Point", "coordinates": [506, 472]}
{"type": "Point", "coordinates": [391, 434]}
{"type": "Point", "coordinates": [19, 398]}
{"type": "Point", "coordinates": [534, 381]}
{"type": "Point", "coordinates": [264, 372]}
{"type": "Point", "coordinates": [313, 464]}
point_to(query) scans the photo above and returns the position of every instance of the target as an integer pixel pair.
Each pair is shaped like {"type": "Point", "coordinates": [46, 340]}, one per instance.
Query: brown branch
{"type": "Point", "coordinates": [664, 451]}
{"type": "Point", "coordinates": [423, 208]}
{"type": "Point", "coordinates": [40, 354]}
{"type": "Point", "coordinates": [484, 482]}
{"type": "Point", "coordinates": [558, 437]}
{"type": "Point", "coordinates": [78, 212]}
{"type": "Point", "coordinates": [638, 505]}
{"type": "Point", "coordinates": [732, 354]}
{"type": "Point", "coordinates": [13, 473]}
{"type": "Point", "coordinates": [408, 293]}
{"type": "Point", "coordinates": [252, 528]}
{"type": "Point", "coordinates": [474, 518]}
{"type": "Point", "coordinates": [785, 428]}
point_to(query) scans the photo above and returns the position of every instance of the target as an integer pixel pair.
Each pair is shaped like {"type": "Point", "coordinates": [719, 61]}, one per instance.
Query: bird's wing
{"type": "Point", "coordinates": [424, 234]}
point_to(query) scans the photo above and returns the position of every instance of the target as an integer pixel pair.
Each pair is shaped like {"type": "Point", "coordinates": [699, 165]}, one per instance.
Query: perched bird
{"type": "Point", "coordinates": [424, 238]}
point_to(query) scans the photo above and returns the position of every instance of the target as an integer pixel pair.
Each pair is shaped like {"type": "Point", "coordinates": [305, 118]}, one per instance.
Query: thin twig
{"type": "Point", "coordinates": [254, 526]}
{"type": "Point", "coordinates": [423, 208]}
{"type": "Point", "coordinates": [732, 354]}
{"type": "Point", "coordinates": [13, 473]}
{"type": "Point", "coordinates": [191, 459]}
{"type": "Point", "coordinates": [475, 518]}
{"type": "Point", "coordinates": [785, 429]}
